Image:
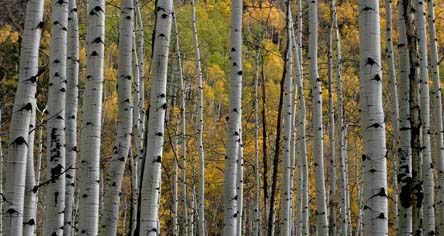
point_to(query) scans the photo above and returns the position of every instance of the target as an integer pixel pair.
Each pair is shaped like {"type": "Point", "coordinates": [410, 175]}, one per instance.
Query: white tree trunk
{"type": "Point", "coordinates": [89, 189]}
{"type": "Point", "coordinates": [404, 149]}
{"type": "Point", "coordinates": [153, 159]}
{"type": "Point", "coordinates": [114, 177]}
{"type": "Point", "coordinates": [285, 214]}
{"type": "Point", "coordinates": [344, 188]}
{"type": "Point", "coordinates": [200, 126]}
{"type": "Point", "coordinates": [318, 147]}
{"type": "Point", "coordinates": [55, 191]}
{"type": "Point", "coordinates": [183, 131]}
{"type": "Point", "coordinates": [240, 183]}
{"type": "Point", "coordinates": [437, 125]}
{"type": "Point", "coordinates": [331, 131]}
{"type": "Point", "coordinates": [30, 210]}
{"type": "Point", "coordinates": [21, 117]}
{"type": "Point", "coordinates": [372, 121]}
{"type": "Point", "coordinates": [234, 119]}
{"type": "Point", "coordinates": [428, 223]}
{"type": "Point", "coordinates": [71, 115]}
{"type": "Point", "coordinates": [138, 140]}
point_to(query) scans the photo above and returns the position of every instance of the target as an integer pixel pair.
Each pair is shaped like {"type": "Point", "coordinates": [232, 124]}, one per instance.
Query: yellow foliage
{"type": "Point", "coordinates": [6, 33]}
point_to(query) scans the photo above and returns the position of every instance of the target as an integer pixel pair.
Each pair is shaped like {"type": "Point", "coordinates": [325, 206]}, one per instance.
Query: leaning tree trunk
{"type": "Point", "coordinates": [331, 129]}
{"type": "Point", "coordinates": [372, 121]}
{"type": "Point", "coordinates": [30, 210]}
{"type": "Point", "coordinates": [437, 125]}
{"type": "Point", "coordinates": [415, 116]}
{"type": "Point", "coordinates": [394, 98]}
{"type": "Point", "coordinates": [318, 147]}
{"type": "Point", "coordinates": [151, 181]}
{"type": "Point", "coordinates": [72, 70]}
{"type": "Point", "coordinates": [404, 149]}
{"type": "Point", "coordinates": [344, 188]}
{"type": "Point", "coordinates": [116, 170]}
{"type": "Point", "coordinates": [92, 119]}
{"type": "Point", "coordinates": [234, 118]}
{"type": "Point", "coordinates": [428, 223]}
{"type": "Point", "coordinates": [21, 117]}
{"type": "Point", "coordinates": [285, 219]}
{"type": "Point", "coordinates": [200, 127]}
{"type": "Point", "coordinates": [257, 199]}
{"type": "Point", "coordinates": [55, 191]}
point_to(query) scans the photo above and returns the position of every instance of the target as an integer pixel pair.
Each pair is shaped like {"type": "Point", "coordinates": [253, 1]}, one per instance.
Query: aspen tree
{"type": "Point", "coordinates": [151, 181]}
{"type": "Point", "coordinates": [234, 118]}
{"type": "Point", "coordinates": [321, 204]}
{"type": "Point", "coordinates": [55, 192]}
{"type": "Point", "coordinates": [375, 196]}
{"type": "Point", "coordinates": [30, 210]}
{"type": "Point", "coordinates": [344, 189]}
{"type": "Point", "coordinates": [239, 184]}
{"type": "Point", "coordinates": [89, 187]}
{"type": "Point", "coordinates": [285, 220]}
{"type": "Point", "coordinates": [200, 126]}
{"type": "Point", "coordinates": [72, 73]}
{"type": "Point", "coordinates": [14, 188]}
{"type": "Point", "coordinates": [257, 201]}
{"type": "Point", "coordinates": [404, 149]}
{"type": "Point", "coordinates": [437, 125]}
{"type": "Point", "coordinates": [394, 97]}
{"type": "Point", "coordinates": [116, 170]}
{"type": "Point", "coordinates": [428, 223]}
{"type": "Point", "coordinates": [415, 115]}
{"type": "Point", "coordinates": [331, 131]}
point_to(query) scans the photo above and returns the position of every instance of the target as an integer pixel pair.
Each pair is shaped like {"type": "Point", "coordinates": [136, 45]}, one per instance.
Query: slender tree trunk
{"type": "Point", "coordinates": [152, 170]}
{"type": "Point", "coordinates": [285, 218]}
{"type": "Point", "coordinates": [302, 145]}
{"type": "Point", "coordinates": [427, 165]}
{"type": "Point", "coordinates": [331, 131]}
{"type": "Point", "coordinates": [264, 144]}
{"type": "Point", "coordinates": [394, 98]}
{"type": "Point", "coordinates": [72, 71]}
{"type": "Point", "coordinates": [372, 121]}
{"type": "Point", "coordinates": [321, 204]}
{"type": "Point", "coordinates": [92, 119]}
{"type": "Point", "coordinates": [344, 188]}
{"type": "Point", "coordinates": [234, 121]}
{"type": "Point", "coordinates": [200, 126]}
{"type": "Point", "coordinates": [13, 194]}
{"type": "Point", "coordinates": [404, 149]}
{"type": "Point", "coordinates": [240, 185]}
{"type": "Point", "coordinates": [183, 130]}
{"type": "Point", "coordinates": [30, 210]}
{"type": "Point", "coordinates": [55, 192]}
{"type": "Point", "coordinates": [116, 170]}
{"type": "Point", "coordinates": [437, 125]}
{"type": "Point", "coordinates": [415, 116]}
{"type": "Point", "coordinates": [257, 201]}
{"type": "Point", "coordinates": [138, 140]}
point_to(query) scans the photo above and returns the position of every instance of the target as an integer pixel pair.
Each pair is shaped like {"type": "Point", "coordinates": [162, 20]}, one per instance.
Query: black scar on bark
{"type": "Point", "coordinates": [406, 195]}
{"type": "Point", "coordinates": [19, 141]}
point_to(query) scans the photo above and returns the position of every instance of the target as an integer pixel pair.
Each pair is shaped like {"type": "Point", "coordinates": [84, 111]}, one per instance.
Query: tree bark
{"type": "Point", "coordinates": [89, 189]}
{"type": "Point", "coordinates": [437, 125]}
{"type": "Point", "coordinates": [71, 115]}
{"type": "Point", "coordinates": [234, 121]}
{"type": "Point", "coordinates": [153, 160]}
{"type": "Point", "coordinates": [318, 147]}
{"type": "Point", "coordinates": [13, 207]}
{"type": "Point", "coordinates": [404, 149]}
{"type": "Point", "coordinates": [375, 193]}
{"type": "Point", "coordinates": [55, 192]}
{"type": "Point", "coordinates": [114, 177]}
{"type": "Point", "coordinates": [428, 223]}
